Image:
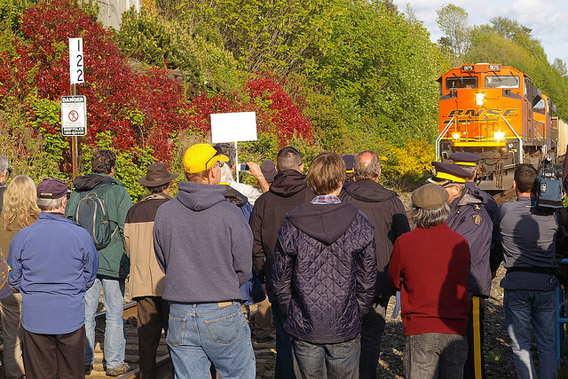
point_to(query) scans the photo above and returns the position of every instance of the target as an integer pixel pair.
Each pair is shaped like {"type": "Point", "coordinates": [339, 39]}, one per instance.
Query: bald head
{"type": "Point", "coordinates": [367, 165]}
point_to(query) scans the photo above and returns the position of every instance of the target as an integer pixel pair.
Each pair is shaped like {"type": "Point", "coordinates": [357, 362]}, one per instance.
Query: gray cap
{"type": "Point", "coordinates": [430, 196]}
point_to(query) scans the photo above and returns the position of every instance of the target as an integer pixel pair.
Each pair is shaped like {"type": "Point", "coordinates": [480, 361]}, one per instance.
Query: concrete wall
{"type": "Point", "coordinates": [110, 11]}
{"type": "Point", "coordinates": [562, 135]}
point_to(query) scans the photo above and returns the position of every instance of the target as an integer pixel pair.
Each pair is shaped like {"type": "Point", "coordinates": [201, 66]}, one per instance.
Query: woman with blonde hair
{"type": "Point", "coordinates": [20, 210]}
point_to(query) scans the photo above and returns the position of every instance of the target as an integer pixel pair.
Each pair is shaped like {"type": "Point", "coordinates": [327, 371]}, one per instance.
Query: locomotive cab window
{"type": "Point", "coordinates": [461, 82]}
{"type": "Point", "coordinates": [502, 81]}
{"type": "Point", "coordinates": [540, 107]}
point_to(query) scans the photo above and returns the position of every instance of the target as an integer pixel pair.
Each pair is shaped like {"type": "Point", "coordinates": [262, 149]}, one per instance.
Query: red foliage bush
{"type": "Point", "coordinates": [275, 109]}
{"type": "Point", "coordinates": [142, 110]}
{"type": "Point", "coordinates": [113, 91]}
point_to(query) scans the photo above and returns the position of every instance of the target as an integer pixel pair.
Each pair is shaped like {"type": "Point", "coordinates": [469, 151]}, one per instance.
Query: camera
{"type": "Point", "coordinates": [243, 167]}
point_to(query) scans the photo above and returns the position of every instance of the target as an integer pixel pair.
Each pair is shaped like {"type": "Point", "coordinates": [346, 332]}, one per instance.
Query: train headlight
{"type": "Point", "coordinates": [479, 97]}
{"type": "Point", "coordinates": [499, 136]}
{"type": "Point", "coordinates": [456, 136]}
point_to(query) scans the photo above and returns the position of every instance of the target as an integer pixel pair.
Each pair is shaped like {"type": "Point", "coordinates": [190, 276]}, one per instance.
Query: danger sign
{"type": "Point", "coordinates": [73, 116]}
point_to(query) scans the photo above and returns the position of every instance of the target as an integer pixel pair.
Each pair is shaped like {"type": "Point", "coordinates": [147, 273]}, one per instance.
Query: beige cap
{"type": "Point", "coordinates": [430, 196]}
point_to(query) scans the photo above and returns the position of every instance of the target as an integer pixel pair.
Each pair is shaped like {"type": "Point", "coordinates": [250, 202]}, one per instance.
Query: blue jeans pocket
{"type": "Point", "coordinates": [176, 331]}
{"type": "Point", "coordinates": [224, 330]}
{"type": "Point", "coordinates": [346, 349]}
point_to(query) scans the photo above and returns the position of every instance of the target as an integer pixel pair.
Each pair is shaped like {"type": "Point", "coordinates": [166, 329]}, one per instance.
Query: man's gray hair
{"type": "Point", "coordinates": [427, 218]}
{"type": "Point", "coordinates": [49, 204]}
{"type": "Point", "coordinates": [366, 170]}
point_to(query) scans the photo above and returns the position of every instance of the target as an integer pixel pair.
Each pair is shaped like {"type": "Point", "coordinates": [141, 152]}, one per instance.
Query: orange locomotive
{"type": "Point", "coordinates": [496, 112]}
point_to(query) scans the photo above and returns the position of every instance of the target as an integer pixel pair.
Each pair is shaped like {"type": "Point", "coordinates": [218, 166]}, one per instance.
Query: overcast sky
{"type": "Point", "coordinates": [548, 19]}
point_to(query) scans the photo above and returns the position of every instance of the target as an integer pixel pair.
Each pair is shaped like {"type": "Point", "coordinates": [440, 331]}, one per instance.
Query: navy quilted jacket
{"type": "Point", "coordinates": [324, 271]}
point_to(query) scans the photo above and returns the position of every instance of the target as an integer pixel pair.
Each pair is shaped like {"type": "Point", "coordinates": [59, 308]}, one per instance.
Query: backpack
{"type": "Point", "coordinates": [91, 214]}
{"type": "Point", "coordinates": [550, 192]}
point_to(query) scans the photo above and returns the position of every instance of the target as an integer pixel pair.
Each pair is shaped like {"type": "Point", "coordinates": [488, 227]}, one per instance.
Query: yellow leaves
{"type": "Point", "coordinates": [413, 159]}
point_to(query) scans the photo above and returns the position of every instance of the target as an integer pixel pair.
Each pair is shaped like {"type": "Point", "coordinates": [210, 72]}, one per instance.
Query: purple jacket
{"type": "Point", "coordinates": [324, 271]}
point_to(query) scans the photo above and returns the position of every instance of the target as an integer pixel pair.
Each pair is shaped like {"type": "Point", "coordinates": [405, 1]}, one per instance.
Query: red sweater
{"type": "Point", "coordinates": [430, 268]}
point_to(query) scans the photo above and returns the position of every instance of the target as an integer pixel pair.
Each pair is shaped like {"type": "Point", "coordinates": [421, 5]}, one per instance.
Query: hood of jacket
{"type": "Point", "coordinates": [469, 196]}
{"type": "Point", "coordinates": [326, 223]}
{"type": "Point", "coordinates": [199, 196]}
{"type": "Point", "coordinates": [368, 191]}
{"type": "Point", "coordinates": [88, 182]}
{"type": "Point", "coordinates": [235, 197]}
{"type": "Point", "coordinates": [288, 183]}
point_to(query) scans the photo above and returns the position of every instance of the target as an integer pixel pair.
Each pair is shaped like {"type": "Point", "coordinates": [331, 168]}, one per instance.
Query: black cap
{"type": "Point", "coordinates": [349, 161]}
{"type": "Point", "coordinates": [444, 173]}
{"type": "Point", "coordinates": [52, 188]}
{"type": "Point", "coordinates": [268, 170]}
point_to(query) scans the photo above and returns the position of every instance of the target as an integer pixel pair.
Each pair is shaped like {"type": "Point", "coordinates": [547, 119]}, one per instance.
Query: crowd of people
{"type": "Point", "coordinates": [329, 249]}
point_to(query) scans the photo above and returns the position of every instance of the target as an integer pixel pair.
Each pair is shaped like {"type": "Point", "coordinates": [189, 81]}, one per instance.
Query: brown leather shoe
{"type": "Point", "coordinates": [119, 370]}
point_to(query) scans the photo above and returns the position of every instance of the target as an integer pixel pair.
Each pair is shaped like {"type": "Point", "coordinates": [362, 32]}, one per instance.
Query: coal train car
{"type": "Point", "coordinates": [495, 111]}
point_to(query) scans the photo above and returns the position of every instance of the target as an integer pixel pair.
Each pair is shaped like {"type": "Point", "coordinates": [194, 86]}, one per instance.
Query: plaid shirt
{"type": "Point", "coordinates": [326, 199]}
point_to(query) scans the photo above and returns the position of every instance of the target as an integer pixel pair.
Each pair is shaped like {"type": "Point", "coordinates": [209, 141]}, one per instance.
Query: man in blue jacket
{"type": "Point", "coordinates": [54, 261]}
{"type": "Point", "coordinates": [203, 245]}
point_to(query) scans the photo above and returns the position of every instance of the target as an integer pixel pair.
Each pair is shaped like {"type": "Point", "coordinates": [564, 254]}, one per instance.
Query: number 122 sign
{"type": "Point", "coordinates": [76, 64]}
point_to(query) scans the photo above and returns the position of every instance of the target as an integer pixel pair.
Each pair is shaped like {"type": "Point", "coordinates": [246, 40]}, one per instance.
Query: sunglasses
{"type": "Point", "coordinates": [218, 152]}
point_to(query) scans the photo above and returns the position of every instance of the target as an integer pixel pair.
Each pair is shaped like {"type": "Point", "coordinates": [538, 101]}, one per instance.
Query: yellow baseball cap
{"type": "Point", "coordinates": [201, 157]}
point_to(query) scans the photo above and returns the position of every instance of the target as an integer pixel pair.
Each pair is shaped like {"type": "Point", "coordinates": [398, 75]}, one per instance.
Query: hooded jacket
{"type": "Point", "coordinates": [113, 261]}
{"type": "Point", "coordinates": [288, 190]}
{"type": "Point", "coordinates": [386, 213]}
{"type": "Point", "coordinates": [146, 278]}
{"type": "Point", "coordinates": [469, 218]}
{"type": "Point", "coordinates": [324, 271]}
{"type": "Point", "coordinates": [203, 245]}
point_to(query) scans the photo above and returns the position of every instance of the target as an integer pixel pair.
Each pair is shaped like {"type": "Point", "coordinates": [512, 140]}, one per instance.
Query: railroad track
{"type": "Point", "coordinates": [129, 314]}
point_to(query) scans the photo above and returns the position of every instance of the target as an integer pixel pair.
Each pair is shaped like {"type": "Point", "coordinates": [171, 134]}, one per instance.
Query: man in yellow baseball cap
{"type": "Point", "coordinates": [202, 157]}
{"type": "Point", "coordinates": [203, 245]}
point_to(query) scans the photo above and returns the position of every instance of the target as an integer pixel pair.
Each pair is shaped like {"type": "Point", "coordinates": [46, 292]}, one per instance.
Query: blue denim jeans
{"type": "Point", "coordinates": [284, 358]}
{"type": "Point", "coordinates": [115, 337]}
{"type": "Point", "coordinates": [524, 308]}
{"type": "Point", "coordinates": [340, 360]}
{"type": "Point", "coordinates": [200, 333]}
{"type": "Point", "coordinates": [434, 355]}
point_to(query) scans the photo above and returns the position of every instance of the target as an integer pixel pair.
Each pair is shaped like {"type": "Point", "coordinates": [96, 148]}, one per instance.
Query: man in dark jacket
{"type": "Point", "coordinates": [288, 190]}
{"type": "Point", "coordinates": [203, 245]}
{"type": "Point", "coordinates": [113, 267]}
{"type": "Point", "coordinates": [469, 218]}
{"type": "Point", "coordinates": [386, 213]}
{"type": "Point", "coordinates": [326, 252]}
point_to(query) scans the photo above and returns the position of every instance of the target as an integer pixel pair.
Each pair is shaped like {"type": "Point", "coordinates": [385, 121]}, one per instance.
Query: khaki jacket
{"type": "Point", "coordinates": [146, 277]}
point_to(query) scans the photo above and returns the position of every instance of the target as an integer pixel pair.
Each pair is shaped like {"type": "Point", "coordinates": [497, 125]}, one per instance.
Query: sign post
{"type": "Point", "coordinates": [77, 76]}
{"type": "Point", "coordinates": [233, 127]}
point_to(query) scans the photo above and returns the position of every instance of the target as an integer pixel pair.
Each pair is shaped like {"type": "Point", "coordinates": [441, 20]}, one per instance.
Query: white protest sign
{"type": "Point", "coordinates": [76, 64]}
{"type": "Point", "coordinates": [233, 127]}
{"type": "Point", "coordinates": [73, 116]}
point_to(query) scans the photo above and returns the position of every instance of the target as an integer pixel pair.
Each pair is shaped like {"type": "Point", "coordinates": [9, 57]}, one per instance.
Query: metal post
{"type": "Point", "coordinates": [74, 142]}
{"type": "Point", "coordinates": [237, 162]}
